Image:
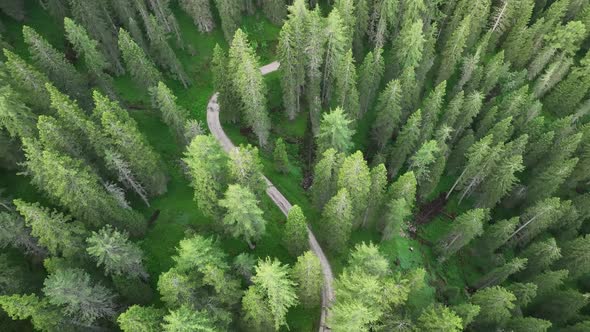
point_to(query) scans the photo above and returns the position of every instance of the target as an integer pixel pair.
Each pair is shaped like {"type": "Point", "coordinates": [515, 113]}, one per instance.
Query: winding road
{"type": "Point", "coordinates": [278, 198]}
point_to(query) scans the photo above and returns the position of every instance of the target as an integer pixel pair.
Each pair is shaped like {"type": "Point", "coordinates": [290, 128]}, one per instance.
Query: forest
{"type": "Point", "coordinates": [295, 165]}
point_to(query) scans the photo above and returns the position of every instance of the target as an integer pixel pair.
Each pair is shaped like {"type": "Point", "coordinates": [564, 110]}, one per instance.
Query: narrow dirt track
{"type": "Point", "coordinates": [278, 198]}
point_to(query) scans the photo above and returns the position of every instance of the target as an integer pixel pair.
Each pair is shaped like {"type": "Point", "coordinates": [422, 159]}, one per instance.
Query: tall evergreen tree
{"type": "Point", "coordinates": [15, 116]}
{"type": "Point", "coordinates": [338, 219]}
{"type": "Point", "coordinates": [139, 319]}
{"type": "Point", "coordinates": [141, 68]}
{"type": "Point", "coordinates": [335, 132]}
{"type": "Point", "coordinates": [499, 274]}
{"type": "Point", "coordinates": [345, 91]}
{"type": "Point", "coordinates": [229, 12]}
{"type": "Point", "coordinates": [314, 57]}
{"type": "Point", "coordinates": [28, 81]}
{"type": "Point", "coordinates": [465, 228]}
{"type": "Point", "coordinates": [388, 113]}
{"type": "Point", "coordinates": [335, 51]}
{"type": "Point", "coordinates": [325, 175]}
{"type": "Point", "coordinates": [173, 114]}
{"type": "Point", "coordinates": [355, 177]}
{"type": "Point", "coordinates": [243, 217]}
{"type": "Point", "coordinates": [370, 74]}
{"type": "Point", "coordinates": [295, 234]}
{"type": "Point", "coordinates": [405, 143]}
{"type": "Point", "coordinates": [307, 272]}
{"type": "Point", "coordinates": [226, 92]}
{"type": "Point", "coordinates": [250, 86]}
{"type": "Point", "coordinates": [245, 169]}
{"type": "Point", "coordinates": [200, 11]}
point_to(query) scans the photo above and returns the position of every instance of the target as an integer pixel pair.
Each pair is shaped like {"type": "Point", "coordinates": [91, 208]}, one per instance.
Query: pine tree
{"type": "Point", "coordinates": [295, 233]}
{"type": "Point", "coordinates": [409, 46]}
{"type": "Point", "coordinates": [502, 180]}
{"type": "Point", "coordinates": [54, 64]}
{"type": "Point", "coordinates": [208, 171]}
{"type": "Point", "coordinates": [421, 162]}
{"type": "Point", "coordinates": [280, 156]}
{"type": "Point", "coordinates": [453, 49]}
{"type": "Point", "coordinates": [499, 274]}
{"type": "Point", "coordinates": [250, 86]}
{"type": "Point", "coordinates": [354, 176]}
{"type": "Point", "coordinates": [405, 142]}
{"type": "Point", "coordinates": [226, 93]}
{"type": "Point", "coordinates": [55, 231]}
{"type": "Point", "coordinates": [200, 11]}
{"type": "Point", "coordinates": [370, 74]}
{"type": "Point", "coordinates": [272, 291]}
{"type": "Point", "coordinates": [345, 91]}
{"type": "Point", "coordinates": [245, 169]}
{"type": "Point", "coordinates": [496, 303]}
{"type": "Point", "coordinates": [187, 319]}
{"type": "Point", "coordinates": [141, 68]}
{"type": "Point", "coordinates": [229, 12]}
{"type": "Point", "coordinates": [563, 306]}
{"type": "Point", "coordinates": [383, 20]}
{"type": "Point", "coordinates": [66, 180]}
{"type": "Point", "coordinates": [496, 235]}
{"type": "Point", "coordinates": [123, 134]}
{"type": "Point", "coordinates": [43, 315]}
{"type": "Point", "coordinates": [538, 218]}
{"type": "Point", "coordinates": [314, 57]}
{"type": "Point", "coordinates": [397, 214]}
{"type": "Point", "coordinates": [80, 299]}
{"type": "Point", "coordinates": [540, 256]}
{"type": "Point", "coordinates": [439, 318]}
{"type": "Point", "coordinates": [112, 248]}
{"type": "Point", "coordinates": [95, 61]}
{"type": "Point", "coordinates": [243, 217]}
{"type": "Point", "coordinates": [378, 190]}
{"type": "Point", "coordinates": [465, 228]}
{"type": "Point", "coordinates": [173, 114]}
{"type": "Point", "coordinates": [325, 175]}
{"type": "Point", "coordinates": [431, 110]}
{"type": "Point", "coordinates": [575, 256]}
{"type": "Point", "coordinates": [15, 116]}
{"type": "Point", "coordinates": [307, 272]}
{"type": "Point", "coordinates": [275, 10]}
{"type": "Point", "coordinates": [140, 319]}
{"type": "Point", "coordinates": [14, 233]}
{"type": "Point", "coordinates": [568, 94]}
{"type": "Point", "coordinates": [389, 113]}
{"type": "Point", "coordinates": [361, 27]}
{"type": "Point", "coordinates": [335, 51]}
{"type": "Point", "coordinates": [545, 183]}
{"type": "Point", "coordinates": [338, 220]}
{"type": "Point", "coordinates": [290, 56]}
{"type": "Point", "coordinates": [335, 132]}
{"type": "Point", "coordinates": [28, 81]}
{"type": "Point", "coordinates": [95, 17]}
{"type": "Point", "coordinates": [404, 187]}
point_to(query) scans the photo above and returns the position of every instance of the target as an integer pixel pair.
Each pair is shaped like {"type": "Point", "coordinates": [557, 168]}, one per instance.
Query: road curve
{"type": "Point", "coordinates": [278, 198]}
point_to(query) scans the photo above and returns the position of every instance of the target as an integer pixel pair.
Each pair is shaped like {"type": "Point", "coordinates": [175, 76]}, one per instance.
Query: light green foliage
{"type": "Point", "coordinates": [378, 192]}
{"type": "Point", "coordinates": [112, 248]}
{"type": "Point", "coordinates": [421, 162]}
{"type": "Point", "coordinates": [173, 114]}
{"type": "Point", "coordinates": [325, 175]}
{"type": "Point", "coordinates": [499, 274]}
{"type": "Point", "coordinates": [295, 234]}
{"type": "Point", "coordinates": [525, 293]}
{"type": "Point", "coordinates": [229, 12]}
{"type": "Point", "coordinates": [275, 294]}
{"type": "Point", "coordinates": [355, 177]}
{"type": "Point", "coordinates": [439, 318]}
{"type": "Point", "coordinates": [15, 116]}
{"type": "Point", "coordinates": [538, 218]}
{"type": "Point", "coordinates": [185, 319]}
{"type": "Point", "coordinates": [495, 303]}
{"type": "Point", "coordinates": [431, 110]}
{"type": "Point", "coordinates": [243, 218]}
{"type": "Point", "coordinates": [575, 256]}
{"type": "Point", "coordinates": [200, 11]}
{"type": "Point", "coordinates": [334, 51]}
{"type": "Point", "coordinates": [280, 156]}
{"type": "Point", "coordinates": [245, 169]}
{"type": "Point", "coordinates": [405, 142]}
{"type": "Point", "coordinates": [44, 316]}
{"type": "Point", "coordinates": [14, 233]}
{"type": "Point", "coordinates": [27, 80]}
{"type": "Point", "coordinates": [80, 299]}
{"type": "Point", "coordinates": [175, 288]}
{"type": "Point", "coordinates": [335, 132]}
{"type": "Point", "coordinates": [397, 215]}
{"type": "Point", "coordinates": [140, 319]}
{"type": "Point", "coordinates": [55, 231]}
{"type": "Point", "coordinates": [467, 311]}
{"type": "Point", "coordinates": [227, 99]}
{"type": "Point", "coordinates": [307, 272]}
{"type": "Point", "coordinates": [249, 86]}
{"type": "Point", "coordinates": [350, 316]}
{"type": "Point", "coordinates": [540, 255]}
{"type": "Point", "coordinates": [404, 187]}
{"type": "Point", "coordinates": [497, 234]}
{"type": "Point", "coordinates": [409, 45]}
{"type": "Point", "coordinates": [465, 228]}
{"type": "Point", "coordinates": [501, 181]}
{"type": "Point", "coordinates": [529, 324]}
{"type": "Point", "coordinates": [208, 170]}
{"type": "Point", "coordinates": [346, 94]}
{"type": "Point", "coordinates": [453, 49]}
{"type": "Point", "coordinates": [389, 113]}
{"type": "Point", "coordinates": [313, 60]}
{"type": "Point", "coordinates": [292, 79]}
{"type": "Point", "coordinates": [94, 60]}
{"type": "Point", "coordinates": [368, 259]}
{"type": "Point", "coordinates": [337, 220]}
{"type": "Point", "coordinates": [54, 64]}
{"type": "Point", "coordinates": [141, 68]}
{"type": "Point", "coordinates": [370, 74]}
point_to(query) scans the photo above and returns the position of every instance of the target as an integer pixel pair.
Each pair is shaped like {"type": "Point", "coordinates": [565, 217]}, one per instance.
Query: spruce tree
{"type": "Point", "coordinates": [229, 12]}
{"type": "Point", "coordinates": [314, 57]}
{"type": "Point", "coordinates": [496, 235]}
{"type": "Point", "coordinates": [540, 256]}
{"type": "Point", "coordinates": [335, 132]}
{"type": "Point", "coordinates": [54, 64]}
{"type": "Point", "coordinates": [325, 175]}
{"type": "Point", "coordinates": [55, 231]}
{"type": "Point", "coordinates": [338, 220]}
{"type": "Point", "coordinates": [200, 12]}
{"type": "Point", "coordinates": [118, 256]}
{"type": "Point", "coordinates": [249, 86]}
{"type": "Point", "coordinates": [495, 305]}
{"type": "Point", "coordinates": [575, 256]}
{"type": "Point", "coordinates": [465, 228]}
{"type": "Point", "coordinates": [355, 177]}
{"type": "Point", "coordinates": [439, 318]}
{"type": "Point", "coordinates": [335, 51]}
{"type": "Point", "coordinates": [28, 81]}
{"type": "Point", "coordinates": [370, 74]}
{"type": "Point", "coordinates": [388, 113]}
{"type": "Point", "coordinates": [295, 234]}
{"type": "Point", "coordinates": [173, 114]}
{"type": "Point", "coordinates": [307, 272]}
{"type": "Point", "coordinates": [140, 319]}
{"type": "Point", "coordinates": [280, 156]}
{"type": "Point", "coordinates": [15, 117]}
{"type": "Point", "coordinates": [185, 318]}
{"type": "Point", "coordinates": [405, 143]}
{"type": "Point", "coordinates": [275, 10]}
{"type": "Point", "coordinates": [243, 217]}
{"type": "Point", "coordinates": [499, 274]}
{"type": "Point", "coordinates": [453, 49]}
{"type": "Point", "coordinates": [245, 169]}
{"type": "Point", "coordinates": [15, 233]}
{"type": "Point", "coordinates": [141, 68]}
{"type": "Point", "coordinates": [345, 91]}
{"type": "Point", "coordinates": [226, 94]}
